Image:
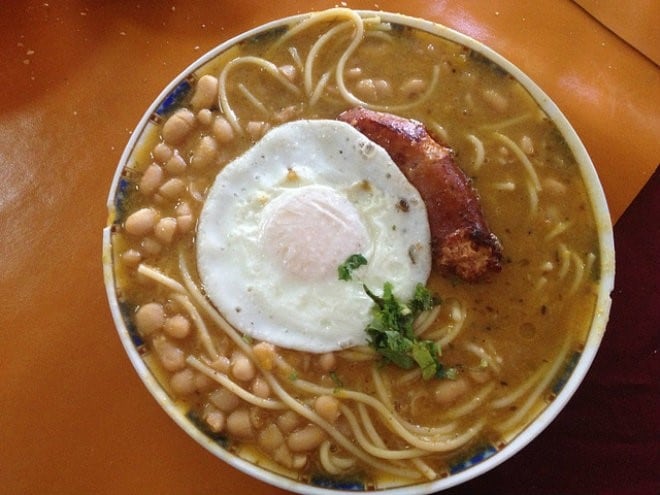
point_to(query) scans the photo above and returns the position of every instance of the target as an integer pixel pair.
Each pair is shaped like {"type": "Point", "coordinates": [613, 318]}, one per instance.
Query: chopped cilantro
{"type": "Point", "coordinates": [391, 332]}
{"type": "Point", "coordinates": [337, 381]}
{"type": "Point", "coordinates": [353, 262]}
{"type": "Point", "coordinates": [425, 355]}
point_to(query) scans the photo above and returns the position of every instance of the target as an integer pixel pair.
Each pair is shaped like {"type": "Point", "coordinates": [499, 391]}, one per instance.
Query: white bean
{"type": "Point", "coordinates": [171, 357]}
{"type": "Point", "coordinates": [448, 391]}
{"type": "Point", "coordinates": [242, 368]}
{"type": "Point", "coordinates": [327, 407]}
{"type": "Point", "coordinates": [176, 164]}
{"type": "Point", "coordinates": [205, 152]}
{"type": "Point", "coordinates": [222, 130]}
{"type": "Point", "coordinates": [150, 246]}
{"type": "Point", "coordinates": [554, 186]}
{"type": "Point", "coordinates": [239, 423]}
{"type": "Point", "coordinates": [282, 455]}
{"type": "Point", "coordinates": [131, 257]}
{"type": "Point", "coordinates": [173, 188]}
{"type": "Point", "coordinates": [184, 217]}
{"type": "Point", "coordinates": [353, 73]}
{"type": "Point", "coordinates": [183, 208]}
{"type": "Point", "coordinates": [185, 223]}
{"type": "Point", "coordinates": [206, 92]}
{"type": "Point", "coordinates": [373, 89]}
{"type": "Point", "coordinates": [383, 88]}
{"type": "Point", "coordinates": [178, 126]}
{"type": "Point", "coordinates": [141, 222]}
{"type": "Point", "coordinates": [216, 420]}
{"type": "Point", "coordinates": [495, 99]}
{"type": "Point", "coordinates": [149, 317]}
{"type": "Point", "coordinates": [165, 229]}
{"type": "Point", "coordinates": [224, 399]}
{"type": "Point", "coordinates": [413, 87]}
{"type": "Point", "coordinates": [258, 418]}
{"type": "Point", "coordinates": [183, 382]}
{"type": "Point", "coordinates": [270, 438]}
{"type": "Point", "coordinates": [305, 439]}
{"type": "Point", "coordinates": [205, 117]}
{"type": "Point", "coordinates": [221, 364]}
{"type": "Point", "coordinates": [527, 145]}
{"type": "Point", "coordinates": [287, 113]}
{"type": "Point", "coordinates": [327, 362]}
{"type": "Point", "coordinates": [162, 152]}
{"type": "Point", "coordinates": [288, 421]}
{"type": "Point", "coordinates": [366, 89]}
{"type": "Point", "coordinates": [177, 326]}
{"type": "Point", "coordinates": [151, 179]}
{"type": "Point", "coordinates": [256, 129]}
{"type": "Point", "coordinates": [203, 382]}
{"type": "Point", "coordinates": [260, 388]}
{"type": "Point", "coordinates": [299, 461]}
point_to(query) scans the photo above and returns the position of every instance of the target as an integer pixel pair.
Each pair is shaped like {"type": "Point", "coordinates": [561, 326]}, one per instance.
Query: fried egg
{"type": "Point", "coordinates": [280, 219]}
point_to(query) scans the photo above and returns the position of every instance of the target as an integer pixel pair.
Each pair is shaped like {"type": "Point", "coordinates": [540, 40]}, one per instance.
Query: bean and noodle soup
{"type": "Point", "coordinates": [346, 414]}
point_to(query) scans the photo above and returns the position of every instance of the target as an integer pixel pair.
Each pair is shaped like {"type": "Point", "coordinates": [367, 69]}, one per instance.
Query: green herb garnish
{"type": "Point", "coordinates": [337, 381]}
{"type": "Point", "coordinates": [353, 262]}
{"type": "Point", "coordinates": [391, 332]}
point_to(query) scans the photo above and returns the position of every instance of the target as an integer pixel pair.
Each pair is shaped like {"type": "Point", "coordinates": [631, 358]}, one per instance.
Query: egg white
{"type": "Point", "coordinates": [279, 220]}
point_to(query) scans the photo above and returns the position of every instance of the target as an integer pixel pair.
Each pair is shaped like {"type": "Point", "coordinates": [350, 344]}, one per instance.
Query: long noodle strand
{"type": "Point", "coordinates": [333, 463]}
{"type": "Point", "coordinates": [484, 355]}
{"type": "Point", "coordinates": [256, 102]}
{"type": "Point", "coordinates": [230, 385]}
{"type": "Point", "coordinates": [313, 53]}
{"type": "Point", "coordinates": [516, 394]}
{"type": "Point", "coordinates": [380, 452]}
{"type": "Point", "coordinates": [202, 330]}
{"type": "Point", "coordinates": [564, 260]}
{"type": "Point", "coordinates": [458, 315]}
{"type": "Point", "coordinates": [502, 124]}
{"type": "Point", "coordinates": [211, 311]}
{"type": "Point", "coordinates": [536, 393]}
{"type": "Point", "coordinates": [425, 320]}
{"type": "Point", "coordinates": [158, 276]}
{"type": "Point", "coordinates": [479, 152]}
{"type": "Point", "coordinates": [265, 65]}
{"type": "Point", "coordinates": [318, 18]}
{"type": "Point", "coordinates": [369, 427]}
{"type": "Point", "coordinates": [533, 193]}
{"type": "Point", "coordinates": [522, 157]}
{"type": "Point", "coordinates": [427, 431]}
{"type": "Point", "coordinates": [558, 229]}
{"type": "Point", "coordinates": [475, 401]}
{"type": "Point", "coordinates": [579, 274]}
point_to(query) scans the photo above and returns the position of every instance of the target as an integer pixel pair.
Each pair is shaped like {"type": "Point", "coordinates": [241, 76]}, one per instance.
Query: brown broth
{"type": "Point", "coordinates": [536, 312]}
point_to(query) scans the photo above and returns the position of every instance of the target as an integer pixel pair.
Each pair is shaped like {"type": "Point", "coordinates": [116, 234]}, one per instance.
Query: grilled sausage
{"type": "Point", "coordinates": [461, 242]}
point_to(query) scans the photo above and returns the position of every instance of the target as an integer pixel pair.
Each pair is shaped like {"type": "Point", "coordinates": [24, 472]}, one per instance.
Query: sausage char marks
{"type": "Point", "coordinates": [461, 242]}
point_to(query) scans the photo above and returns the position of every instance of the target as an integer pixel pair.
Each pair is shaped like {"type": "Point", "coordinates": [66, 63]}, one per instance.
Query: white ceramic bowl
{"type": "Point", "coordinates": [481, 461]}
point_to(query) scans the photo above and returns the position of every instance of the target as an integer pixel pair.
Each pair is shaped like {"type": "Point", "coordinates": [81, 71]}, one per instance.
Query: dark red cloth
{"type": "Point", "coordinates": [607, 439]}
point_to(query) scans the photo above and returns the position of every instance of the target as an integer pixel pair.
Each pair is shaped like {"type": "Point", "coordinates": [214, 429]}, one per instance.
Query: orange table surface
{"type": "Point", "coordinates": [75, 78]}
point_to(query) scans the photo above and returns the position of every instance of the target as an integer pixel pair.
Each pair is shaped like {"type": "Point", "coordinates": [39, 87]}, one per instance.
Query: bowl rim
{"type": "Point", "coordinates": [549, 412]}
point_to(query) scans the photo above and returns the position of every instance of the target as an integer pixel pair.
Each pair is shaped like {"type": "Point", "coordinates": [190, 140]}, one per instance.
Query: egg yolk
{"type": "Point", "coordinates": [309, 231]}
